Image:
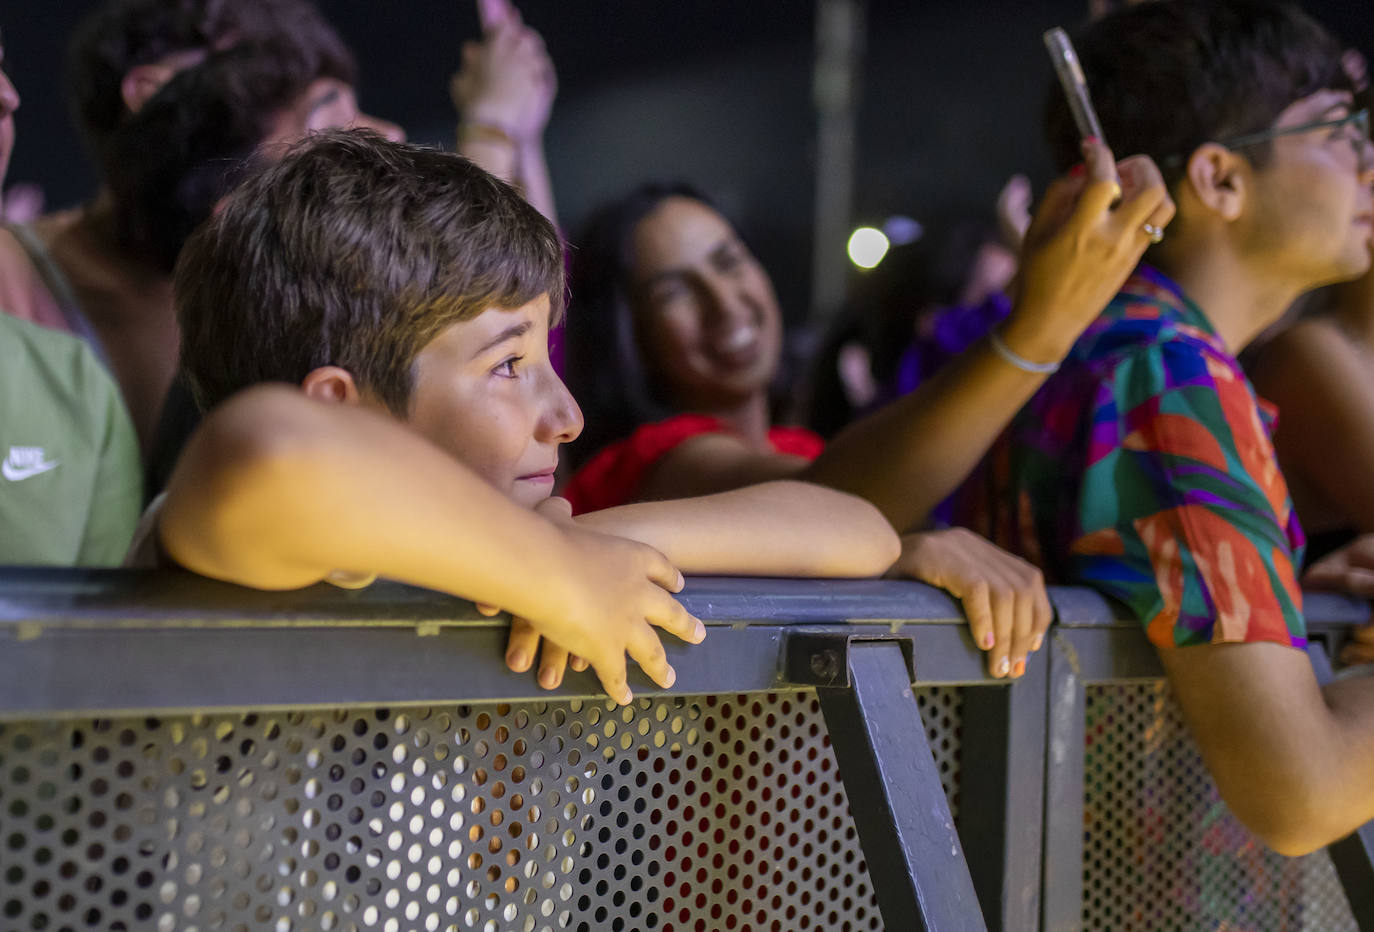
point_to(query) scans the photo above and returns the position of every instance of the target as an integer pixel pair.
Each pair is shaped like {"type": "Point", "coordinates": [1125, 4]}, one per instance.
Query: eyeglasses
{"type": "Point", "coordinates": [1354, 128]}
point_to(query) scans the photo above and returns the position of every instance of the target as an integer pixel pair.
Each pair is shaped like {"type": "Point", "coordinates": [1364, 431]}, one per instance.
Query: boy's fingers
{"type": "Point", "coordinates": [611, 673]}
{"type": "Point", "coordinates": [661, 571]}
{"type": "Point", "coordinates": [553, 660]}
{"type": "Point", "coordinates": [521, 645]}
{"type": "Point", "coordinates": [669, 615]}
{"type": "Point", "coordinates": [647, 650]}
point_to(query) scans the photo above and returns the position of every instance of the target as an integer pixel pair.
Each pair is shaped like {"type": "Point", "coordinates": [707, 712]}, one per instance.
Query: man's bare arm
{"type": "Point", "coordinates": [1293, 761]}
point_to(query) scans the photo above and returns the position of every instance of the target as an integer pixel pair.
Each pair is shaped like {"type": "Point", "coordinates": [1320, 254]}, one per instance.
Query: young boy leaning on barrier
{"type": "Point", "coordinates": [1144, 467]}
{"type": "Point", "coordinates": [404, 296]}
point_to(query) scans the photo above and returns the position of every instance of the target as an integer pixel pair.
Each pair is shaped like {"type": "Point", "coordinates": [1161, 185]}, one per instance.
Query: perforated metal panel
{"type": "Point", "coordinates": [1161, 851]}
{"type": "Point", "coordinates": [705, 813]}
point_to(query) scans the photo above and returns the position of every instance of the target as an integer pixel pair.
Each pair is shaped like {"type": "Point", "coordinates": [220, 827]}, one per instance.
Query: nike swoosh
{"type": "Point", "coordinates": [18, 473]}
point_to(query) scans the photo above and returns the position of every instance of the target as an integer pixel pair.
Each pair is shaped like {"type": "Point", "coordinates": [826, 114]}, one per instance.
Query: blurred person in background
{"type": "Point", "coordinates": [926, 302]}
{"type": "Point", "coordinates": [69, 472]}
{"type": "Point", "coordinates": [79, 271]}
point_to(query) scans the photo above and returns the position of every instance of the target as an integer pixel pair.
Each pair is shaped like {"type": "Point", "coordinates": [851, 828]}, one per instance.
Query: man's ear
{"type": "Point", "coordinates": [331, 384]}
{"type": "Point", "coordinates": [142, 82]}
{"type": "Point", "coordinates": [1219, 179]}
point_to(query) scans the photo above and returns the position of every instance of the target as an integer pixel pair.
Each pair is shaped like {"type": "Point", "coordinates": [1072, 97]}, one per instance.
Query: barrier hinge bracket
{"type": "Point", "coordinates": [821, 658]}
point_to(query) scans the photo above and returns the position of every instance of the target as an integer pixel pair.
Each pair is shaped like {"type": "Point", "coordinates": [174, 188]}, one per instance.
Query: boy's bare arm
{"type": "Point", "coordinates": [277, 490]}
{"type": "Point", "coordinates": [1293, 761]}
{"type": "Point", "coordinates": [779, 528]}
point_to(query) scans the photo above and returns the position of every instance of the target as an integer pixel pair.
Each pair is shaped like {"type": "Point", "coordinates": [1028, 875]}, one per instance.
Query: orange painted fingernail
{"type": "Point", "coordinates": [1018, 668]}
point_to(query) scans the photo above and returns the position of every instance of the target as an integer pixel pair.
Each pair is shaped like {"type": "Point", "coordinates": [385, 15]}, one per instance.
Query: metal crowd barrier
{"type": "Point", "coordinates": [177, 754]}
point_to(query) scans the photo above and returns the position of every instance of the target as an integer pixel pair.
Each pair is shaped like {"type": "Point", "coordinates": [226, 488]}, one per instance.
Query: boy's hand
{"type": "Point", "coordinates": [615, 590]}
{"type": "Point", "coordinates": [1004, 596]}
{"type": "Point", "coordinates": [609, 595]}
{"type": "Point", "coordinates": [1085, 239]}
{"type": "Point", "coordinates": [524, 640]}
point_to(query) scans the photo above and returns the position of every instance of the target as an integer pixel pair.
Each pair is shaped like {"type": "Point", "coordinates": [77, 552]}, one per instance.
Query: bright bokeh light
{"type": "Point", "coordinates": [867, 246]}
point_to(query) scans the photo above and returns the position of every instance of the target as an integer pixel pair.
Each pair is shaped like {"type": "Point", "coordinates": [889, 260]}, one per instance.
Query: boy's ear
{"type": "Point", "coordinates": [331, 384]}
{"type": "Point", "coordinates": [142, 82]}
{"type": "Point", "coordinates": [1219, 179]}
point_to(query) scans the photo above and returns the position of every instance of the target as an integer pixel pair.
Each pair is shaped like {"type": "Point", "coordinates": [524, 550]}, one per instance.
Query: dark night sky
{"type": "Point", "coordinates": [712, 91]}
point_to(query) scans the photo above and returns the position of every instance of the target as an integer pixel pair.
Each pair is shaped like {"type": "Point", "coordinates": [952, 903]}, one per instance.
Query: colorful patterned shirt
{"type": "Point", "coordinates": [1144, 469]}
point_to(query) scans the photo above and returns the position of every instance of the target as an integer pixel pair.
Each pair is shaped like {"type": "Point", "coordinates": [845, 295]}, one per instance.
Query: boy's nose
{"type": "Point", "coordinates": [562, 419]}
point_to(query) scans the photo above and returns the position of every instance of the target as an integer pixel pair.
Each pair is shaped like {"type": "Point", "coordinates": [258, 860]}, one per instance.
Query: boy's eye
{"type": "Point", "coordinates": [506, 368]}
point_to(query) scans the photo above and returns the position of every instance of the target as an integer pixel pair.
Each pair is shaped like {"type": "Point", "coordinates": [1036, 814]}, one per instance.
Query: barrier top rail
{"type": "Point", "coordinates": [80, 641]}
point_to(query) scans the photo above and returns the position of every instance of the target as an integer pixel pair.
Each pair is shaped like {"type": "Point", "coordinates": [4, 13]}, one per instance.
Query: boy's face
{"type": "Point", "coordinates": [486, 392]}
{"type": "Point", "coordinates": [1311, 213]}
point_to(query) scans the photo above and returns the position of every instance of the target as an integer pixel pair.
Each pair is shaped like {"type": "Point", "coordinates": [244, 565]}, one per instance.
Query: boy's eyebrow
{"type": "Point", "coordinates": [510, 333]}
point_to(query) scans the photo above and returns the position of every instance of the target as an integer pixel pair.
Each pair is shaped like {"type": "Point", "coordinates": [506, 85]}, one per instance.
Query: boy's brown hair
{"type": "Point", "coordinates": [355, 252]}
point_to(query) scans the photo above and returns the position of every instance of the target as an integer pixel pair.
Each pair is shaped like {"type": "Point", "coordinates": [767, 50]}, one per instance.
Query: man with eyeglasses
{"type": "Point", "coordinates": [1144, 467]}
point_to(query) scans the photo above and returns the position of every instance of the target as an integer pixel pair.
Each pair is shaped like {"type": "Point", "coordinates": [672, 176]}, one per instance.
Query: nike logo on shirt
{"type": "Point", "coordinates": [25, 463]}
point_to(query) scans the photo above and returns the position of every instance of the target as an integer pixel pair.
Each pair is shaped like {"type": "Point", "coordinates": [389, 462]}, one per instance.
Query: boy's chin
{"type": "Point", "coordinates": [531, 494]}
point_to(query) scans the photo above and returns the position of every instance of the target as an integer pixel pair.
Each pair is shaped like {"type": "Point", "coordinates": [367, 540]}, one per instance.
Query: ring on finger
{"type": "Point", "coordinates": [1156, 234]}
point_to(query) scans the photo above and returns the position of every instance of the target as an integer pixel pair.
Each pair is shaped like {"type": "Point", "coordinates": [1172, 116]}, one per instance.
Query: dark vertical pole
{"type": "Point", "coordinates": [1002, 778]}
{"type": "Point", "coordinates": [1063, 857]}
{"type": "Point", "coordinates": [1352, 856]}
{"type": "Point", "coordinates": [903, 818]}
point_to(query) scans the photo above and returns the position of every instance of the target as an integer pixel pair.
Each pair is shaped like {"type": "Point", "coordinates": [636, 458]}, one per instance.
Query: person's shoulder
{"type": "Point", "coordinates": [29, 349]}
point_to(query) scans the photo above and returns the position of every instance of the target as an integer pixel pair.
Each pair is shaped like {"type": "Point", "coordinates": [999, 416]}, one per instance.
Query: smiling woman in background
{"type": "Point", "coordinates": [675, 337]}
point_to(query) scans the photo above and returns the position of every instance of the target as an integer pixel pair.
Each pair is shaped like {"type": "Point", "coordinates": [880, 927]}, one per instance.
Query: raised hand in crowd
{"type": "Point", "coordinates": [504, 94]}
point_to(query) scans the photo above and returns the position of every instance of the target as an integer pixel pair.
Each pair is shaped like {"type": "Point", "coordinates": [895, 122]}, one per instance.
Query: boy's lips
{"type": "Point", "coordinates": [543, 475]}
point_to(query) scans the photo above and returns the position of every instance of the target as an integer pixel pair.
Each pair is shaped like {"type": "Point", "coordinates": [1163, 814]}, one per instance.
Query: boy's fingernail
{"type": "Point", "coordinates": [671, 678]}
{"type": "Point", "coordinates": [700, 632]}
{"type": "Point", "coordinates": [681, 581]}
{"type": "Point", "coordinates": [1039, 640]}
{"type": "Point", "coordinates": [517, 661]}
{"type": "Point", "coordinates": [627, 697]}
{"type": "Point", "coordinates": [988, 641]}
{"type": "Point", "coordinates": [1078, 170]}
{"type": "Point", "coordinates": [1004, 666]}
{"type": "Point", "coordinates": [548, 679]}
{"type": "Point", "coordinates": [1018, 668]}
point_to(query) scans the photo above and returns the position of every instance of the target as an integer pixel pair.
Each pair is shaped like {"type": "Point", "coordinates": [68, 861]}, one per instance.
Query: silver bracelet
{"type": "Point", "coordinates": [1020, 362]}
